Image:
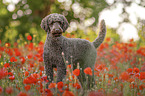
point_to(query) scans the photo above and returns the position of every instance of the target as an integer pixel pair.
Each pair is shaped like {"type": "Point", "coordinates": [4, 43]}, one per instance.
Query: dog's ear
{"type": "Point", "coordinates": [65, 24]}
{"type": "Point", "coordinates": [44, 24]}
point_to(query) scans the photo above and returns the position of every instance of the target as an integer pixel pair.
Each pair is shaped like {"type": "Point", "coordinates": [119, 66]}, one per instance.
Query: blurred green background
{"type": "Point", "coordinates": [20, 18]}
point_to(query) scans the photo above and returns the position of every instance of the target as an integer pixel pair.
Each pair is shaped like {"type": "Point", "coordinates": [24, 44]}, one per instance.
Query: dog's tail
{"type": "Point", "coordinates": [102, 34]}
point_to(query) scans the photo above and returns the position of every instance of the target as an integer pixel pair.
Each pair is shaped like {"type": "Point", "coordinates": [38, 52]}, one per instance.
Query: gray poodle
{"type": "Point", "coordinates": [81, 51]}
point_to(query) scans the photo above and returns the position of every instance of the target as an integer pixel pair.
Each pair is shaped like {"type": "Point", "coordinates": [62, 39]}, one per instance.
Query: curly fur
{"type": "Point", "coordinates": [54, 18]}
{"type": "Point", "coordinates": [82, 51]}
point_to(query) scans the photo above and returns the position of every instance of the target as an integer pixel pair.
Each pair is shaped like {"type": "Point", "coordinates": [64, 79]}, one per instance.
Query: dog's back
{"type": "Point", "coordinates": [82, 51]}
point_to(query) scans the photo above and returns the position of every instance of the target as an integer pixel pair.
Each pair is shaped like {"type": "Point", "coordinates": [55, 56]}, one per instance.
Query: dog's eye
{"type": "Point", "coordinates": [52, 22]}
{"type": "Point", "coordinates": [59, 22]}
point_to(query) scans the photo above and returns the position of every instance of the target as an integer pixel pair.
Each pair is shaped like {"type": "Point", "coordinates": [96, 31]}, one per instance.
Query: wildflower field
{"type": "Point", "coordinates": [119, 71]}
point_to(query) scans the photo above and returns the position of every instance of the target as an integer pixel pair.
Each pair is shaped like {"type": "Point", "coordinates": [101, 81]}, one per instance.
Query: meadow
{"type": "Point", "coordinates": [119, 71]}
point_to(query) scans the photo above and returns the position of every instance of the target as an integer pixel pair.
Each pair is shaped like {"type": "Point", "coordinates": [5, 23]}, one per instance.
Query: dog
{"type": "Point", "coordinates": [78, 50]}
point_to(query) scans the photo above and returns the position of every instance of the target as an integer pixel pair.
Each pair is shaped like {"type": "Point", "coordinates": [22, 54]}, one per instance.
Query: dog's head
{"type": "Point", "coordinates": [54, 24]}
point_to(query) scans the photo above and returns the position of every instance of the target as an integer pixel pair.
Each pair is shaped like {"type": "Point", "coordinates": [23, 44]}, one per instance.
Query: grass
{"type": "Point", "coordinates": [119, 71]}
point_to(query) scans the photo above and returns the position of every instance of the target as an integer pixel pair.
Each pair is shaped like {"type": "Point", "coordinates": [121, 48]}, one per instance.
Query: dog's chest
{"type": "Point", "coordinates": [56, 48]}
{"type": "Point", "coordinates": [55, 53]}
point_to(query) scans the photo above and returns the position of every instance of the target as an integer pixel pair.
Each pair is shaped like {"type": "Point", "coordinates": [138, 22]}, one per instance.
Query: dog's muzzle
{"type": "Point", "coordinates": [57, 32]}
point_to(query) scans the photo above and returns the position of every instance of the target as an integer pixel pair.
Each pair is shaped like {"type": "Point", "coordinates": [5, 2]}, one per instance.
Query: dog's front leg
{"type": "Point", "coordinates": [48, 70]}
{"type": "Point", "coordinates": [61, 72]}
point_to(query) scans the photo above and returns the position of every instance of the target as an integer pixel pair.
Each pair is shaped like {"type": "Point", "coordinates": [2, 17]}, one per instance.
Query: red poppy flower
{"type": "Point", "coordinates": [29, 37]}
{"type": "Point", "coordinates": [35, 75]}
{"type": "Point", "coordinates": [132, 45]}
{"type": "Point", "coordinates": [131, 40]}
{"type": "Point", "coordinates": [60, 85]}
{"type": "Point", "coordinates": [1, 89]}
{"type": "Point", "coordinates": [67, 93]}
{"type": "Point", "coordinates": [3, 73]}
{"type": "Point", "coordinates": [41, 43]}
{"type": "Point", "coordinates": [141, 87]}
{"type": "Point", "coordinates": [48, 92]}
{"type": "Point", "coordinates": [76, 72]}
{"type": "Point", "coordinates": [69, 66]}
{"type": "Point", "coordinates": [77, 86]}
{"type": "Point", "coordinates": [108, 39]}
{"type": "Point", "coordinates": [6, 65]}
{"type": "Point", "coordinates": [33, 79]}
{"type": "Point", "coordinates": [9, 90]}
{"type": "Point", "coordinates": [22, 94]}
{"type": "Point", "coordinates": [40, 73]}
{"type": "Point", "coordinates": [30, 56]}
{"type": "Point", "coordinates": [22, 60]}
{"type": "Point", "coordinates": [17, 52]}
{"type": "Point", "coordinates": [12, 77]}
{"type": "Point", "coordinates": [40, 59]}
{"type": "Point", "coordinates": [10, 73]}
{"type": "Point", "coordinates": [137, 75]}
{"type": "Point", "coordinates": [31, 65]}
{"type": "Point", "coordinates": [44, 78]}
{"type": "Point", "coordinates": [124, 76]}
{"type": "Point", "coordinates": [41, 68]}
{"type": "Point", "coordinates": [27, 87]}
{"type": "Point", "coordinates": [26, 73]}
{"type": "Point", "coordinates": [9, 51]}
{"type": "Point", "coordinates": [110, 75]}
{"type": "Point", "coordinates": [131, 80]}
{"type": "Point", "coordinates": [13, 59]}
{"type": "Point", "coordinates": [27, 81]}
{"type": "Point", "coordinates": [129, 70]}
{"type": "Point", "coordinates": [142, 75]}
{"type": "Point", "coordinates": [135, 70]}
{"type": "Point", "coordinates": [88, 71]}
{"type": "Point", "coordinates": [100, 67]}
{"type": "Point", "coordinates": [52, 85]}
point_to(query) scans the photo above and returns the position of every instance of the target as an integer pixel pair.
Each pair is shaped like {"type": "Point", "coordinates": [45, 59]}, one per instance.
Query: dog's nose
{"type": "Point", "coordinates": [57, 30]}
